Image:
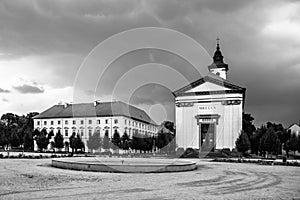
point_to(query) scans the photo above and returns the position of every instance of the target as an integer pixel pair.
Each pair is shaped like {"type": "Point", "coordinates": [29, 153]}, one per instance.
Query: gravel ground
{"type": "Point", "coordinates": [36, 179]}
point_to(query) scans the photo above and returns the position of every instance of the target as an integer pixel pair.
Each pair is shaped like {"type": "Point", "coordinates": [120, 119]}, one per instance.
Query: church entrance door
{"type": "Point", "coordinates": [207, 137]}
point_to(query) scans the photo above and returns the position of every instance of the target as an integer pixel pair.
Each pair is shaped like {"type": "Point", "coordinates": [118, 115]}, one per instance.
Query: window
{"type": "Point", "coordinates": [129, 123]}
{"type": "Point", "coordinates": [66, 132]}
{"type": "Point", "coordinates": [98, 121]}
{"type": "Point", "coordinates": [81, 131]}
{"type": "Point", "coordinates": [66, 122]}
{"type": "Point", "coordinates": [45, 122]}
{"type": "Point", "coordinates": [74, 122]}
{"type": "Point", "coordinates": [125, 121]}
{"type": "Point", "coordinates": [116, 121]}
{"type": "Point", "coordinates": [90, 132]}
{"type": "Point", "coordinates": [38, 123]}
{"type": "Point", "coordinates": [58, 122]}
{"type": "Point", "coordinates": [90, 121]}
{"type": "Point", "coordinates": [81, 122]}
{"type": "Point", "coordinates": [51, 122]}
{"type": "Point", "coordinates": [106, 121]}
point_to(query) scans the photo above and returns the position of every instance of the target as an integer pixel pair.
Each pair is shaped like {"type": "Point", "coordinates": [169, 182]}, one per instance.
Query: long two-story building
{"type": "Point", "coordinates": [102, 117]}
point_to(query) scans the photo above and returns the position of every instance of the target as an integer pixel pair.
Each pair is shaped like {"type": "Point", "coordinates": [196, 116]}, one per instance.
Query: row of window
{"type": "Point", "coordinates": [74, 122]}
{"type": "Point", "coordinates": [136, 124]}
{"type": "Point", "coordinates": [90, 132]}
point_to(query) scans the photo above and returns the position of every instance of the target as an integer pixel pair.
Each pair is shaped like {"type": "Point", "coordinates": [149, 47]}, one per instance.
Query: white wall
{"type": "Point", "coordinates": [142, 127]}
{"type": "Point", "coordinates": [228, 127]}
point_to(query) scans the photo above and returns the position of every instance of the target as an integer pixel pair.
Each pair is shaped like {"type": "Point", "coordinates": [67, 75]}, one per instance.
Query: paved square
{"type": "Point", "coordinates": [35, 179]}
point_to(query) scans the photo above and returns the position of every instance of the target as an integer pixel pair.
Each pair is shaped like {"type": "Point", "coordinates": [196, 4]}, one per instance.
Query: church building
{"type": "Point", "coordinates": [209, 110]}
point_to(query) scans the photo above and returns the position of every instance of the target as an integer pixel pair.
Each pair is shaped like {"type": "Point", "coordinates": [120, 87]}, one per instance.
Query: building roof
{"type": "Point", "coordinates": [210, 77]}
{"type": "Point", "coordinates": [295, 125]}
{"type": "Point", "coordinates": [99, 109]}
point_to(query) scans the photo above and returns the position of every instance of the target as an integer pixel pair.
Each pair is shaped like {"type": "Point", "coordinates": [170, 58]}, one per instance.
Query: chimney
{"type": "Point", "coordinates": [66, 105]}
{"type": "Point", "coordinates": [96, 103]}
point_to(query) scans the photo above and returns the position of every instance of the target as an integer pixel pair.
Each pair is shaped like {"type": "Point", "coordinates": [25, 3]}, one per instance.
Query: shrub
{"type": "Point", "coordinates": [179, 151]}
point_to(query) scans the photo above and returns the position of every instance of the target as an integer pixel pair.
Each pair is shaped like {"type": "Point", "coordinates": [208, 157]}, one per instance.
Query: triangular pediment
{"type": "Point", "coordinates": [208, 84]}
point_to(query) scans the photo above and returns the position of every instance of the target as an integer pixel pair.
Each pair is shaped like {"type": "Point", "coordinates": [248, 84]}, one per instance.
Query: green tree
{"type": "Point", "coordinates": [42, 140]}
{"type": "Point", "coordinates": [125, 141]}
{"type": "Point", "coordinates": [14, 139]}
{"type": "Point", "coordinates": [116, 140]}
{"type": "Point", "coordinates": [72, 142]}
{"type": "Point", "coordinates": [79, 143]}
{"type": "Point", "coordinates": [28, 140]}
{"type": "Point", "coordinates": [242, 143]}
{"type": "Point", "coordinates": [67, 145]}
{"type": "Point", "coordinates": [292, 143]}
{"type": "Point", "coordinates": [3, 139]}
{"type": "Point", "coordinates": [106, 141]}
{"type": "Point", "coordinates": [270, 142]}
{"type": "Point", "coordinates": [59, 141]}
{"type": "Point", "coordinates": [94, 142]}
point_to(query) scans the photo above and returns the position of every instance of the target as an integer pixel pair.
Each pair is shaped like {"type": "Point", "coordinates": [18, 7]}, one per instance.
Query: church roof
{"type": "Point", "coordinates": [99, 109]}
{"type": "Point", "coordinates": [212, 78]}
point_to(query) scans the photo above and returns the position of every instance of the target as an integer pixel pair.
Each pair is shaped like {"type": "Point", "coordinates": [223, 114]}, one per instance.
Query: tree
{"type": "Point", "coordinates": [270, 142]}
{"type": "Point", "coordinates": [42, 140]}
{"type": "Point", "coordinates": [72, 142]}
{"type": "Point", "coordinates": [125, 141]}
{"type": "Point", "coordinates": [292, 143]}
{"type": "Point", "coordinates": [14, 139]}
{"type": "Point", "coordinates": [106, 141]}
{"type": "Point", "coordinates": [59, 140]}
{"type": "Point", "coordinates": [116, 140]}
{"type": "Point", "coordinates": [79, 143]}
{"type": "Point", "coordinates": [3, 139]}
{"type": "Point", "coordinates": [94, 142]}
{"type": "Point", "coordinates": [242, 143]}
{"type": "Point", "coordinates": [28, 140]}
{"type": "Point", "coordinates": [67, 145]}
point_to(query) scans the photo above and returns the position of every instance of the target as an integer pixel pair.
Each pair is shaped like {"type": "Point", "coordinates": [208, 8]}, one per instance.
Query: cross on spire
{"type": "Point", "coordinates": [218, 42]}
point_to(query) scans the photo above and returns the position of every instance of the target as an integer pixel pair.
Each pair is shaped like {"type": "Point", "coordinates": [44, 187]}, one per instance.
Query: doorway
{"type": "Point", "coordinates": [207, 137]}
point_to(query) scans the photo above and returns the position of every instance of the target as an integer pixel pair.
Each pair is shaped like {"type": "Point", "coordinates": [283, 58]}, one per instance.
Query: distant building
{"type": "Point", "coordinates": [86, 118]}
{"type": "Point", "coordinates": [294, 128]}
{"type": "Point", "coordinates": [209, 110]}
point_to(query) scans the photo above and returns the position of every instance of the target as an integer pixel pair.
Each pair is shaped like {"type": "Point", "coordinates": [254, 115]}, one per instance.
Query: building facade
{"type": "Point", "coordinates": [209, 110]}
{"type": "Point", "coordinates": [295, 129]}
{"type": "Point", "coordinates": [87, 118]}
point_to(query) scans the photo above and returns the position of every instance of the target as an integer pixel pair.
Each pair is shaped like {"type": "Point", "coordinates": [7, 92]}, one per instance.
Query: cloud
{"type": "Point", "coordinates": [4, 91]}
{"type": "Point", "coordinates": [259, 41]}
{"type": "Point", "coordinates": [4, 99]}
{"type": "Point", "coordinates": [25, 89]}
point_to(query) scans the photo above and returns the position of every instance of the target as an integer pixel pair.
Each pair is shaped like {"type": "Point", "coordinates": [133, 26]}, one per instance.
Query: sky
{"type": "Point", "coordinates": [45, 48]}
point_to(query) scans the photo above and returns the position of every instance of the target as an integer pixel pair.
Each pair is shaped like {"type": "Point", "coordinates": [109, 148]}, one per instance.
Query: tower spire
{"type": "Point", "coordinates": [218, 42]}
{"type": "Point", "coordinates": [218, 66]}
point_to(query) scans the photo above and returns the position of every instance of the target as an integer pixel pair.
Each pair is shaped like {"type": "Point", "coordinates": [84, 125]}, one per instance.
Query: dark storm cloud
{"type": "Point", "coordinates": [45, 27]}
{"type": "Point", "coordinates": [265, 62]}
{"type": "Point", "coordinates": [4, 91]}
{"type": "Point", "coordinates": [25, 88]}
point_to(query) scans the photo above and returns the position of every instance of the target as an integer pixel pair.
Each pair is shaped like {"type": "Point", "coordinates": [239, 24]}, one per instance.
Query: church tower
{"type": "Point", "coordinates": [218, 66]}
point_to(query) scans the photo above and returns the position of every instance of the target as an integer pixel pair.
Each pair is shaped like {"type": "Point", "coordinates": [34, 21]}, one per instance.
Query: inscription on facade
{"type": "Point", "coordinates": [207, 107]}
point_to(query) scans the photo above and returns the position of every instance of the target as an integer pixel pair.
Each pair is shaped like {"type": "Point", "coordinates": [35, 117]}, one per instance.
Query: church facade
{"type": "Point", "coordinates": [209, 110]}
